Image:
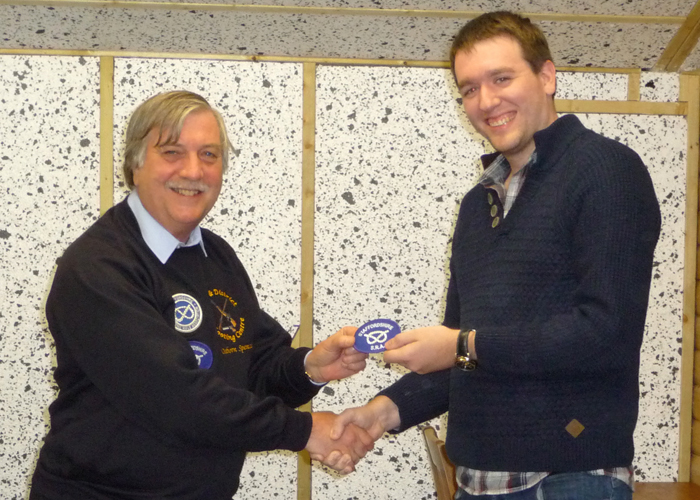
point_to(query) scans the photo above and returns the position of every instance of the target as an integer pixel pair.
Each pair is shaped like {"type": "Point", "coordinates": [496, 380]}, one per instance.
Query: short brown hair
{"type": "Point", "coordinates": [503, 23]}
{"type": "Point", "coordinates": [165, 112]}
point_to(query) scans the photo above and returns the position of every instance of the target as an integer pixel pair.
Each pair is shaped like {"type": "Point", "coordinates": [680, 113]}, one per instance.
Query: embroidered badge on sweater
{"type": "Point", "coordinates": [188, 313]}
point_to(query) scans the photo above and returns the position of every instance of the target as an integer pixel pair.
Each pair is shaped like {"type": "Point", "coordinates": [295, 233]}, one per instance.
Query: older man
{"type": "Point", "coordinates": [550, 273]}
{"type": "Point", "coordinates": [168, 369]}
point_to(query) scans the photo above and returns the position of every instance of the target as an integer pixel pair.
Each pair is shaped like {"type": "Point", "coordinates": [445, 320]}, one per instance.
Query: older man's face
{"type": "Point", "coordinates": [179, 183]}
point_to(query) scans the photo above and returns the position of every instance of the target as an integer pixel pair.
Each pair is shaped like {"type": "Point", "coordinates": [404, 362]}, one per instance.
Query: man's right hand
{"type": "Point", "coordinates": [341, 452]}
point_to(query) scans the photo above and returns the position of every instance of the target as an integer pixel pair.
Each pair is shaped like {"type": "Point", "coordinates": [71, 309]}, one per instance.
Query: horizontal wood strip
{"type": "Point", "coordinates": [622, 107]}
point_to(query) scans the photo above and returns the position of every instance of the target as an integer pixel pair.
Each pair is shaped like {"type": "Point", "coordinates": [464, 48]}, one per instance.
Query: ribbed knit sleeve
{"type": "Point", "coordinates": [419, 397]}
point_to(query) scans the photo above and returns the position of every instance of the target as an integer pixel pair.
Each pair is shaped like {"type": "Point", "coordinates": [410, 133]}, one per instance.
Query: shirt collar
{"type": "Point", "coordinates": [496, 173]}
{"type": "Point", "coordinates": [159, 239]}
{"type": "Point", "coordinates": [498, 168]}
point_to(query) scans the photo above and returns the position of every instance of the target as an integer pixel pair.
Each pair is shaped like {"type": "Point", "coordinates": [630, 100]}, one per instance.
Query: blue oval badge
{"type": "Point", "coordinates": [372, 336]}
{"type": "Point", "coordinates": [204, 355]}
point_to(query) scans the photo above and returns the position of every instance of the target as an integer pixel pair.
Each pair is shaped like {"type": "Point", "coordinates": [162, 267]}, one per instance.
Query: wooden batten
{"type": "Point", "coordinates": [697, 265]}
{"type": "Point", "coordinates": [621, 107]}
{"type": "Point", "coordinates": [308, 207]}
{"type": "Point", "coordinates": [695, 469]}
{"type": "Point", "coordinates": [682, 43]}
{"type": "Point", "coordinates": [308, 204]}
{"type": "Point", "coordinates": [106, 131]}
{"type": "Point", "coordinates": [633, 86]}
{"type": "Point", "coordinates": [690, 90]}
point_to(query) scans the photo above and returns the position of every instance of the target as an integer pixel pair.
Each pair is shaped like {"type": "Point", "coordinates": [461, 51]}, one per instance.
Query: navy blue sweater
{"type": "Point", "coordinates": [135, 416]}
{"type": "Point", "coordinates": [557, 293]}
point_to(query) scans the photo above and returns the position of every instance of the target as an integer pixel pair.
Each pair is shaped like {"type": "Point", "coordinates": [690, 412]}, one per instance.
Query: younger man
{"type": "Point", "coordinates": [550, 273]}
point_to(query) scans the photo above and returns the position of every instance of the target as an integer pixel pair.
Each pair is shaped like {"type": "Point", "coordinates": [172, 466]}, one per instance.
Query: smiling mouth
{"type": "Point", "coordinates": [187, 189]}
{"type": "Point", "coordinates": [186, 192]}
{"type": "Point", "coordinates": [497, 122]}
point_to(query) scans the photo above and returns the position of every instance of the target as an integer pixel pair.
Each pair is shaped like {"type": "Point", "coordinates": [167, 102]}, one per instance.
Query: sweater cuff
{"type": "Point", "coordinates": [419, 397]}
{"type": "Point", "coordinates": [297, 375]}
{"type": "Point", "coordinates": [297, 430]}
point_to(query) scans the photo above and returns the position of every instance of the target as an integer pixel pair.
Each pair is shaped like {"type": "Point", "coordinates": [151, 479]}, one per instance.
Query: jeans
{"type": "Point", "coordinates": [565, 486]}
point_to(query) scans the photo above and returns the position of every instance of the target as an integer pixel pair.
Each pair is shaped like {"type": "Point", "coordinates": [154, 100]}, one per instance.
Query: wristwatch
{"type": "Point", "coordinates": [463, 359]}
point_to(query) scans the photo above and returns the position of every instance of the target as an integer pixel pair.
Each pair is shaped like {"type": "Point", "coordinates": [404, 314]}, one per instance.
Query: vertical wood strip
{"type": "Point", "coordinates": [106, 130]}
{"type": "Point", "coordinates": [690, 90]}
{"type": "Point", "coordinates": [633, 83]}
{"type": "Point", "coordinates": [308, 207]}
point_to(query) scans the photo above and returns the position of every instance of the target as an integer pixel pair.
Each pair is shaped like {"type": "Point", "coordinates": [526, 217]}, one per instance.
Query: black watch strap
{"type": "Point", "coordinates": [463, 359]}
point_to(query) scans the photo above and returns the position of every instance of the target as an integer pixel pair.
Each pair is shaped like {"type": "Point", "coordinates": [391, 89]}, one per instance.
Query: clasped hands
{"type": "Point", "coordinates": [340, 441]}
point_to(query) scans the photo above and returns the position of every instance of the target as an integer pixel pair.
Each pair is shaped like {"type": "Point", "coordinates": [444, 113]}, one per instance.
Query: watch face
{"type": "Point", "coordinates": [465, 364]}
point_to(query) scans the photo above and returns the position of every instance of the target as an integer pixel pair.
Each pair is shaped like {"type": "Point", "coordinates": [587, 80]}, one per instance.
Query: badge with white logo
{"type": "Point", "coordinates": [188, 313]}
{"type": "Point", "coordinates": [203, 354]}
{"type": "Point", "coordinates": [372, 336]}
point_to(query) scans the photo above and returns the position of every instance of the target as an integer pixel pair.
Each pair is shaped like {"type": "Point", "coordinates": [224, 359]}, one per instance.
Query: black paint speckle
{"type": "Point", "coordinates": [347, 196]}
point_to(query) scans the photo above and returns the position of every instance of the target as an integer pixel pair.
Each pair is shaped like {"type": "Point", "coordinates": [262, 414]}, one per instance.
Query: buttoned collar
{"type": "Point", "coordinates": [158, 239]}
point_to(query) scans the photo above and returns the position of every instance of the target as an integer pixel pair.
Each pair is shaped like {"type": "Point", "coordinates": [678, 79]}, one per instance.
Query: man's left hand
{"type": "Point", "coordinates": [335, 357]}
{"type": "Point", "coordinates": [423, 350]}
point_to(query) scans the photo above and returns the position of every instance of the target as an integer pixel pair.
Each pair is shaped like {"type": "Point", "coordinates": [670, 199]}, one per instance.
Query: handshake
{"type": "Point", "coordinates": [340, 441]}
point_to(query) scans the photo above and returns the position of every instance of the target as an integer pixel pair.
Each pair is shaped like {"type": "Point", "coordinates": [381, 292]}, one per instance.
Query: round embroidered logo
{"type": "Point", "coordinates": [203, 354]}
{"type": "Point", "coordinates": [188, 313]}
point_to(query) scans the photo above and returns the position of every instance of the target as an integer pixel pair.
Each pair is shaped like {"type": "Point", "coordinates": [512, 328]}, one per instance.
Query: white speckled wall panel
{"type": "Point", "coordinates": [656, 436]}
{"type": "Point", "coordinates": [638, 7]}
{"type": "Point", "coordinates": [659, 87]}
{"type": "Point", "coordinates": [259, 209]}
{"type": "Point", "coordinates": [390, 143]}
{"type": "Point", "coordinates": [606, 45]}
{"type": "Point", "coordinates": [592, 86]}
{"type": "Point", "coordinates": [394, 159]}
{"type": "Point", "coordinates": [49, 176]}
{"type": "Point", "coordinates": [305, 34]}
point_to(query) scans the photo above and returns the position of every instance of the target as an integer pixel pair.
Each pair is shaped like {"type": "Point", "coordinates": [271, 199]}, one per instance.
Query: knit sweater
{"type": "Point", "coordinates": [557, 293]}
{"type": "Point", "coordinates": [136, 415]}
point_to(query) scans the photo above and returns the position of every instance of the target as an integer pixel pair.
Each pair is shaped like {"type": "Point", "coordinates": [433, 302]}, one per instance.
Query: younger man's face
{"type": "Point", "coordinates": [505, 100]}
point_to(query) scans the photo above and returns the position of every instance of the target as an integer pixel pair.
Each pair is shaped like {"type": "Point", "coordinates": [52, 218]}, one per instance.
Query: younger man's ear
{"type": "Point", "coordinates": [548, 75]}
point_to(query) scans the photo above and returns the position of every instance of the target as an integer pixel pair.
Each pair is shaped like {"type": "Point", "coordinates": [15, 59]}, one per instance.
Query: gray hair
{"type": "Point", "coordinates": [165, 112]}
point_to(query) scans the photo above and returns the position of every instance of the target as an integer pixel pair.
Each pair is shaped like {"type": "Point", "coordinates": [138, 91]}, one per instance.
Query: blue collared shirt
{"type": "Point", "coordinates": [159, 239]}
